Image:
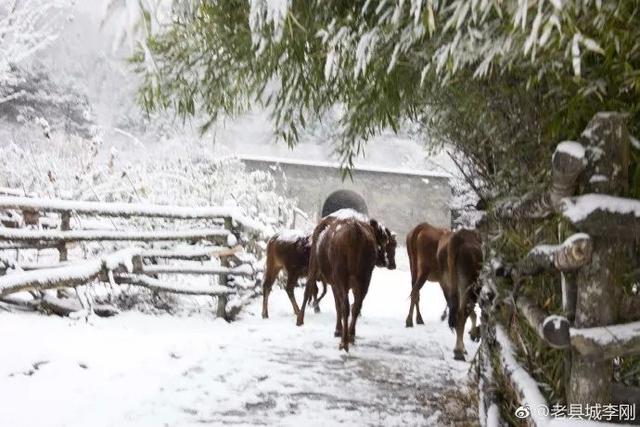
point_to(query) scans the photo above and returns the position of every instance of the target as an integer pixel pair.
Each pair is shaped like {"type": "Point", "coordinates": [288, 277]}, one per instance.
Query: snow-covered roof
{"type": "Point", "coordinates": [333, 165]}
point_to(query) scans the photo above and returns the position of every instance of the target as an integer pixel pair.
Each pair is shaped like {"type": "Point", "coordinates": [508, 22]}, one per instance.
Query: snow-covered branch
{"type": "Point", "coordinates": [160, 286]}
{"type": "Point", "coordinates": [192, 253]}
{"type": "Point", "coordinates": [607, 342]}
{"type": "Point", "coordinates": [603, 215]}
{"type": "Point", "coordinates": [27, 26]}
{"type": "Point", "coordinates": [67, 276]}
{"type": "Point", "coordinates": [244, 270]}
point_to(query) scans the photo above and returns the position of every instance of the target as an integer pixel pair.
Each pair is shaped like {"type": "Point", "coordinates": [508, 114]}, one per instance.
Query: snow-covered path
{"type": "Point", "coordinates": [141, 370]}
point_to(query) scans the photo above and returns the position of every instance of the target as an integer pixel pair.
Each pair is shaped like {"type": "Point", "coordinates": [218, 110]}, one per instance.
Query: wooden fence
{"type": "Point", "coordinates": [590, 265]}
{"type": "Point", "coordinates": [27, 224]}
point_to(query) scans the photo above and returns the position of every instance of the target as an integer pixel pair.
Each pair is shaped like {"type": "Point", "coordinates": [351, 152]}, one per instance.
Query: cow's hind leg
{"type": "Point", "coordinates": [419, 320]}
{"type": "Point", "coordinates": [412, 268]}
{"type": "Point", "coordinates": [316, 303]}
{"type": "Point", "coordinates": [308, 289]}
{"type": "Point", "coordinates": [292, 279]}
{"type": "Point", "coordinates": [458, 351]}
{"type": "Point", "coordinates": [359, 292]}
{"type": "Point", "coordinates": [415, 300]}
{"type": "Point", "coordinates": [336, 299]}
{"type": "Point", "coordinates": [269, 277]}
{"type": "Point", "coordinates": [344, 311]}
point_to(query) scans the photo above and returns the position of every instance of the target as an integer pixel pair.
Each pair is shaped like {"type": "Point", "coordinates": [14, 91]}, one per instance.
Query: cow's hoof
{"type": "Point", "coordinates": [458, 355]}
{"type": "Point", "coordinates": [316, 309]}
{"type": "Point", "coordinates": [337, 333]}
{"type": "Point", "coordinates": [409, 324]}
{"type": "Point", "coordinates": [419, 321]}
{"type": "Point", "coordinates": [265, 316]}
{"type": "Point", "coordinates": [474, 335]}
{"type": "Point", "coordinates": [299, 322]}
{"type": "Point", "coordinates": [344, 346]}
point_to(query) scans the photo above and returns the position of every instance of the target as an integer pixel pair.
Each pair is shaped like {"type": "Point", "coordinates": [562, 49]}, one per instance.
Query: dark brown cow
{"type": "Point", "coordinates": [344, 253]}
{"type": "Point", "coordinates": [288, 250]}
{"type": "Point", "coordinates": [453, 260]}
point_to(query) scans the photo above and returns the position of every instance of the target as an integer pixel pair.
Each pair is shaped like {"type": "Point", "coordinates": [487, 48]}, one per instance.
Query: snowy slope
{"type": "Point", "coordinates": [141, 370]}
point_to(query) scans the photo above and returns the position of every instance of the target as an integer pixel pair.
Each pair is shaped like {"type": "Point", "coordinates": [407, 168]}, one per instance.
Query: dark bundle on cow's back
{"type": "Point", "coordinates": [345, 249]}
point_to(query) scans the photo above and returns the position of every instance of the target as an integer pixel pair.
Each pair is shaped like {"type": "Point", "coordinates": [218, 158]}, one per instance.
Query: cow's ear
{"type": "Point", "coordinates": [376, 228]}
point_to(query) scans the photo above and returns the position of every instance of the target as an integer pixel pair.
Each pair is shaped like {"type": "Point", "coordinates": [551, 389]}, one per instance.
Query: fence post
{"type": "Point", "coordinates": [223, 279]}
{"type": "Point", "coordinates": [606, 140]}
{"type": "Point", "coordinates": [63, 254]}
{"type": "Point", "coordinates": [65, 225]}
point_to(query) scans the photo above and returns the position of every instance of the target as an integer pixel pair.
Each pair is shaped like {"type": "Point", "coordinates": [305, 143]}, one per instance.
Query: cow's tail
{"type": "Point", "coordinates": [453, 300]}
{"type": "Point", "coordinates": [411, 252]}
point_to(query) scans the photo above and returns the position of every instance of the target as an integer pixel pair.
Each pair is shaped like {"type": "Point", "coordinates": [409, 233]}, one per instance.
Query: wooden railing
{"type": "Point", "coordinates": [223, 238]}
{"type": "Point", "coordinates": [589, 263]}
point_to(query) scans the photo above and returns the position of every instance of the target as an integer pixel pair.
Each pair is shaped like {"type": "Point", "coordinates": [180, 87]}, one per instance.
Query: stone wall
{"type": "Point", "coordinates": [400, 199]}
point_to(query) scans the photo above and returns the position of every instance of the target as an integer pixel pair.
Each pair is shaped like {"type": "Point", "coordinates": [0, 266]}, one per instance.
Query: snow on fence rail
{"type": "Point", "coordinates": [227, 229]}
{"type": "Point", "coordinates": [219, 236]}
{"type": "Point", "coordinates": [609, 225]}
{"type": "Point", "coordinates": [126, 210]}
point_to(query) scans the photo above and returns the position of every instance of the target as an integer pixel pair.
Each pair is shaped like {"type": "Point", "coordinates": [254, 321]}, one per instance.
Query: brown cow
{"type": "Point", "coordinates": [422, 246]}
{"type": "Point", "coordinates": [341, 214]}
{"type": "Point", "coordinates": [461, 258]}
{"type": "Point", "coordinates": [344, 253]}
{"type": "Point", "coordinates": [288, 250]}
{"type": "Point", "coordinates": [453, 260]}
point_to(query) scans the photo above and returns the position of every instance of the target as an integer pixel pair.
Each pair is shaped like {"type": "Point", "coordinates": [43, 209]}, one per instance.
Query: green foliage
{"type": "Point", "coordinates": [490, 77]}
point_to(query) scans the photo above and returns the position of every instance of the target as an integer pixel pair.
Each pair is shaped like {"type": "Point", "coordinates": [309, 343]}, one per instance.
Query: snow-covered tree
{"type": "Point", "coordinates": [135, 20]}
{"type": "Point", "coordinates": [27, 26]}
{"type": "Point", "coordinates": [386, 61]}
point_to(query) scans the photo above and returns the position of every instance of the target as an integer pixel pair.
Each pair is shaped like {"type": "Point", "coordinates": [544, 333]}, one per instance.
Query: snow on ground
{"type": "Point", "coordinates": [141, 370]}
